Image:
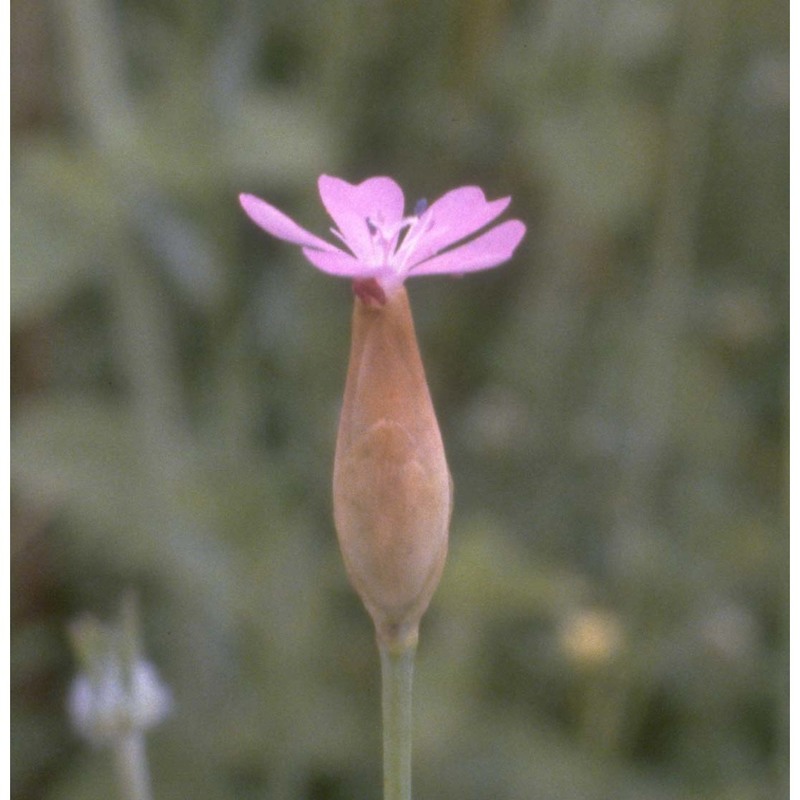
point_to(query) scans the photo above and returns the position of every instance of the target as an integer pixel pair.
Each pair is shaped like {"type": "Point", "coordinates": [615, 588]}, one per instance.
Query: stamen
{"type": "Point", "coordinates": [421, 207]}
{"type": "Point", "coordinates": [420, 227]}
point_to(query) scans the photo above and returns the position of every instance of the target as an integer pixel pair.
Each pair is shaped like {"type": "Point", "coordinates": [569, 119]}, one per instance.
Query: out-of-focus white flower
{"type": "Point", "coordinates": [102, 707]}
{"type": "Point", "coordinates": [116, 691]}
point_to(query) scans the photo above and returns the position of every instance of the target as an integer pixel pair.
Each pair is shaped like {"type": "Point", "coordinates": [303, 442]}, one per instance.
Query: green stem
{"type": "Point", "coordinates": [131, 763]}
{"type": "Point", "coordinates": [397, 673]}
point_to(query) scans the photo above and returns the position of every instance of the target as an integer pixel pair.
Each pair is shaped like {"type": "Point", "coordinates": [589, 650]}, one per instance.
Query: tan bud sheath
{"type": "Point", "coordinates": [391, 485]}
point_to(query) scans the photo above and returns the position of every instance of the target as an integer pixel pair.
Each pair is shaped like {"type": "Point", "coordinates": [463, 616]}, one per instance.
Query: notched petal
{"type": "Point", "coordinates": [338, 263]}
{"type": "Point", "coordinates": [277, 224]}
{"type": "Point", "coordinates": [352, 205]}
{"type": "Point", "coordinates": [488, 250]}
{"type": "Point", "coordinates": [455, 216]}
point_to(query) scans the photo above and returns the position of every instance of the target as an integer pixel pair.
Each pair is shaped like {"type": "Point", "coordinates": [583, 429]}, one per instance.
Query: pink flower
{"type": "Point", "coordinates": [383, 247]}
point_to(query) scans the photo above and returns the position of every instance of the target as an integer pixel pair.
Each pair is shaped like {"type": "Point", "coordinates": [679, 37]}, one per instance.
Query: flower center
{"type": "Point", "coordinates": [387, 237]}
{"type": "Point", "coordinates": [394, 243]}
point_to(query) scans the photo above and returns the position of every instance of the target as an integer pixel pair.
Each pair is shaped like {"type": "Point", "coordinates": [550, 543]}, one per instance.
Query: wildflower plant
{"type": "Point", "coordinates": [392, 491]}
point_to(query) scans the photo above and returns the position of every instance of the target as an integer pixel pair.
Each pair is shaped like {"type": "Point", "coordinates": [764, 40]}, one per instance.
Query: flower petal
{"type": "Point", "coordinates": [339, 263]}
{"type": "Point", "coordinates": [488, 250]}
{"type": "Point", "coordinates": [278, 224]}
{"type": "Point", "coordinates": [350, 205]}
{"type": "Point", "coordinates": [454, 216]}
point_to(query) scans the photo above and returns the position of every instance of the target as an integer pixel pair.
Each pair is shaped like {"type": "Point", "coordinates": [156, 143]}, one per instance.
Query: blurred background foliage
{"type": "Point", "coordinates": [612, 622]}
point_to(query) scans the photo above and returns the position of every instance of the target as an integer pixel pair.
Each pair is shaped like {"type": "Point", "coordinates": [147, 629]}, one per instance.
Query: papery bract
{"type": "Point", "coordinates": [383, 245]}
{"type": "Point", "coordinates": [392, 493]}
